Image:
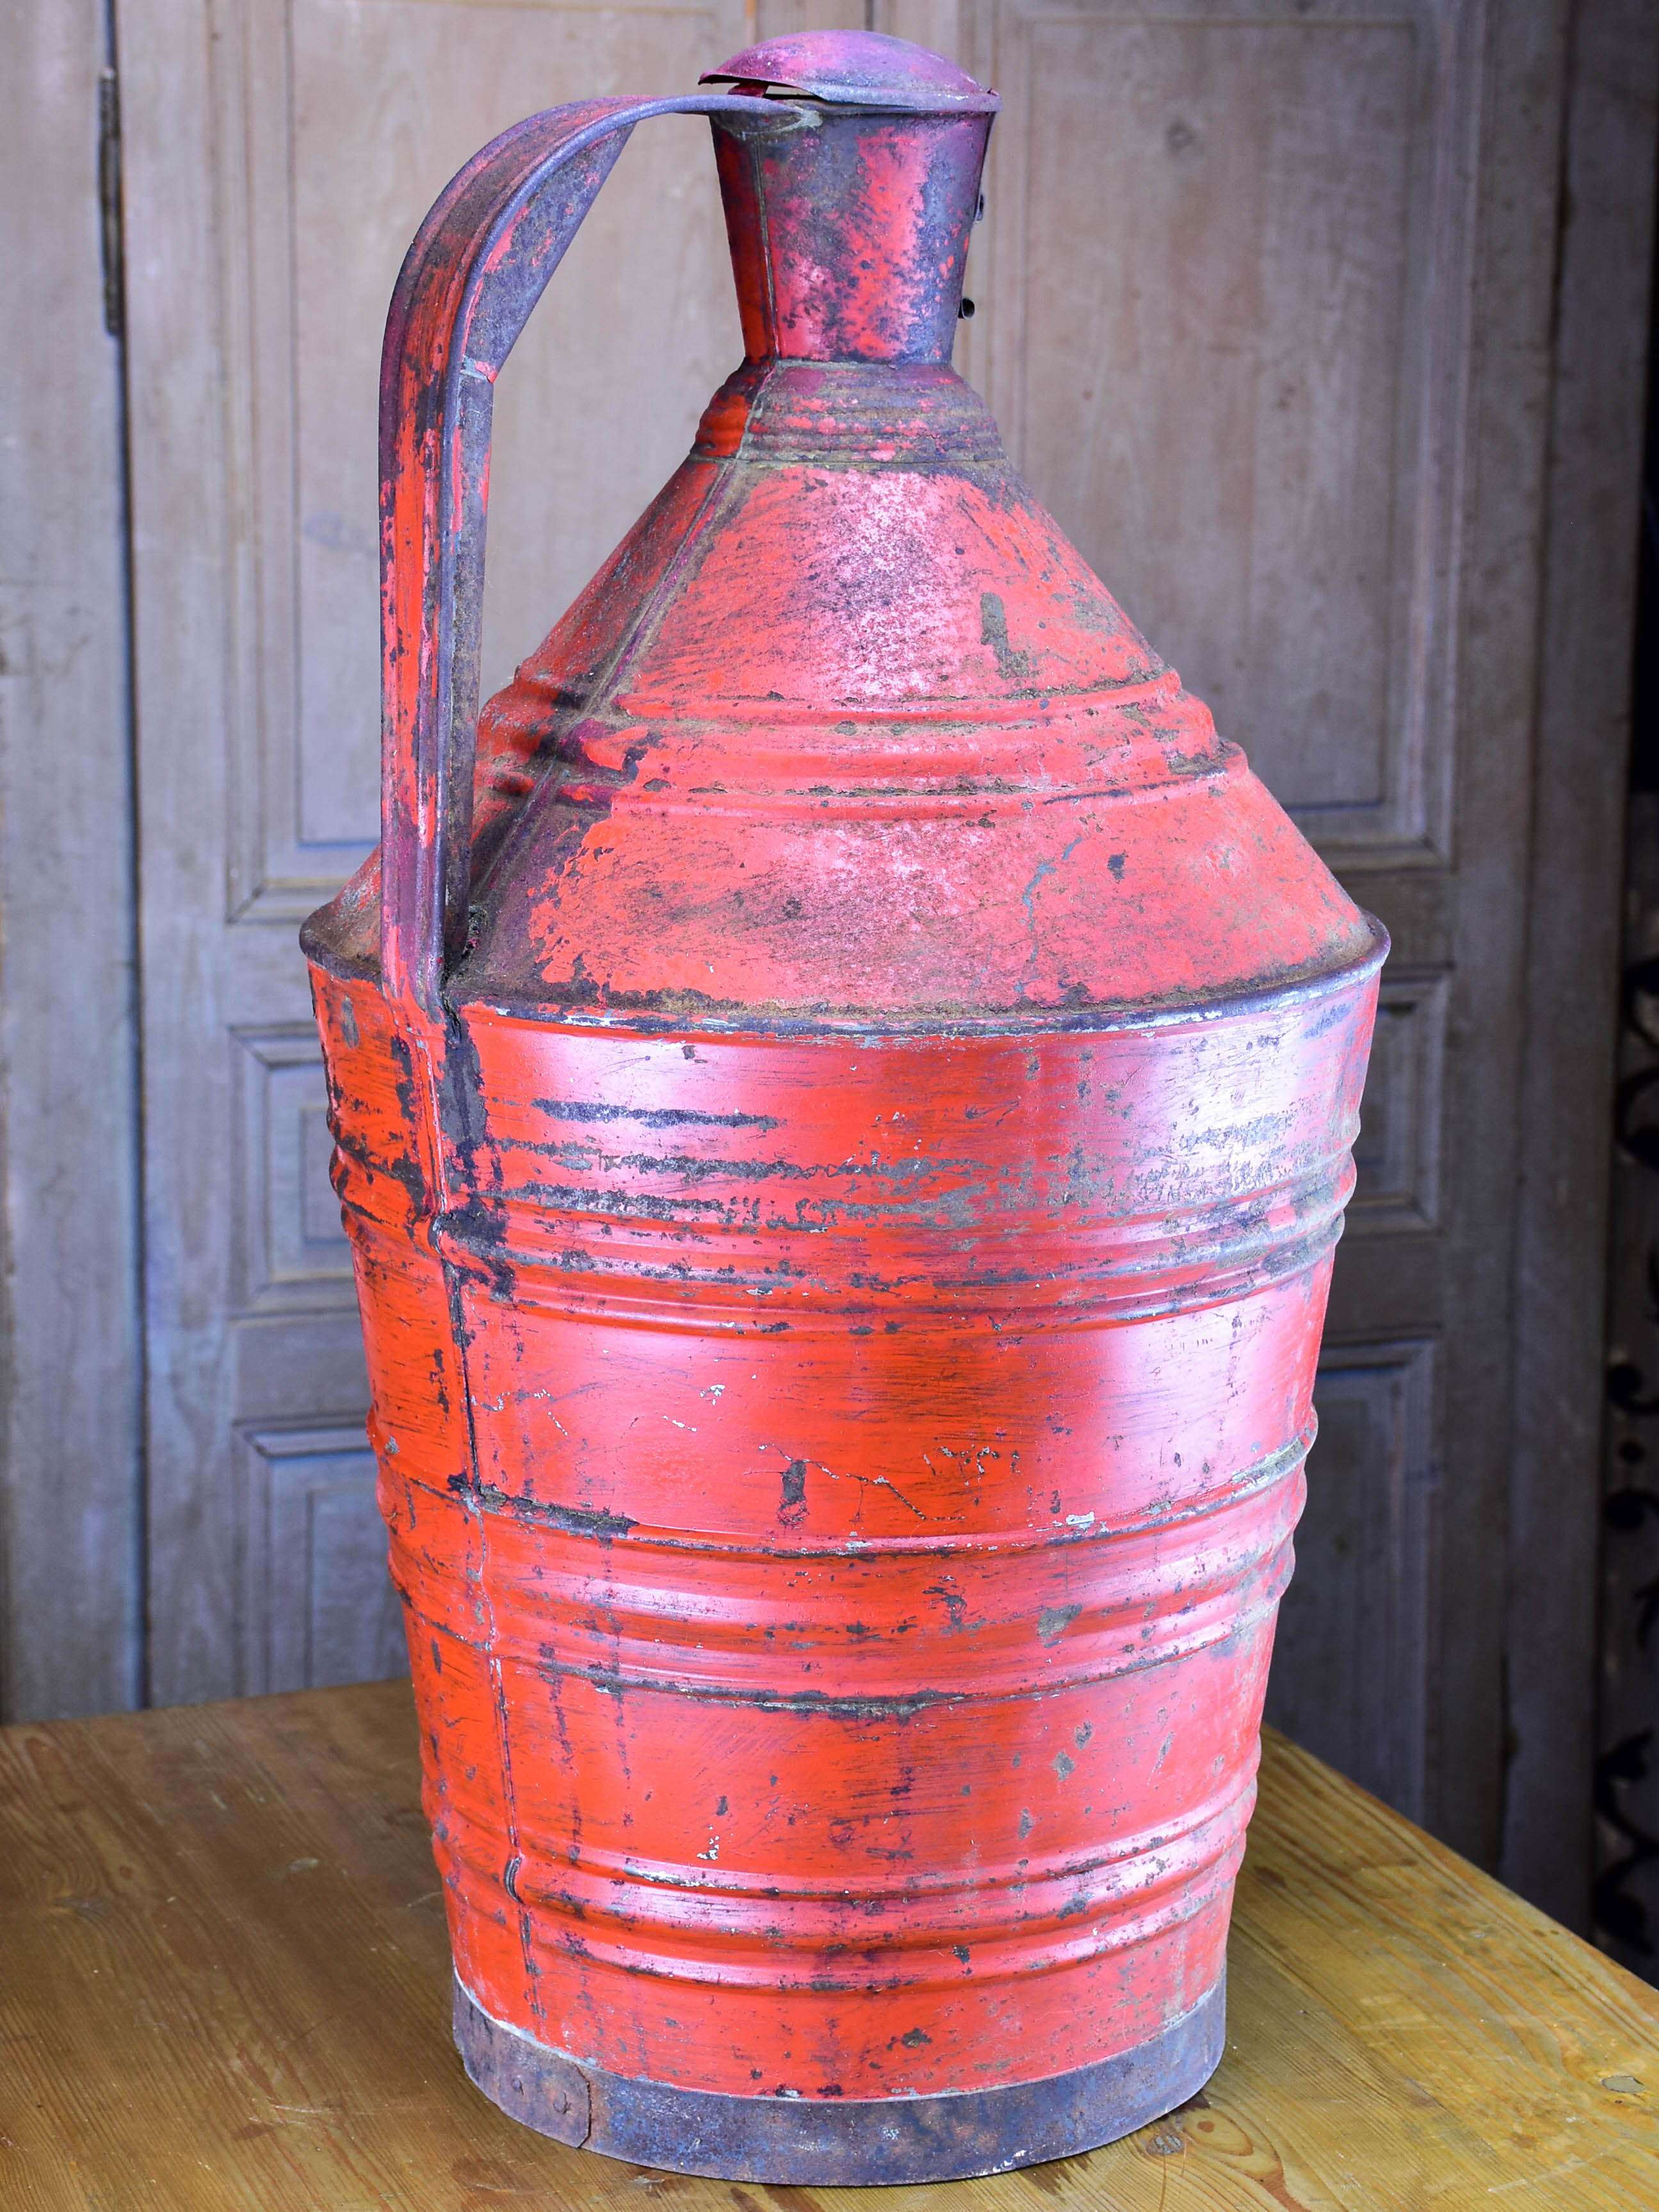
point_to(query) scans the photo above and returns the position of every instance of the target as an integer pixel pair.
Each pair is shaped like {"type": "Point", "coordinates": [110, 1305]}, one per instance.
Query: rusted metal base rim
{"type": "Point", "coordinates": [860, 2139]}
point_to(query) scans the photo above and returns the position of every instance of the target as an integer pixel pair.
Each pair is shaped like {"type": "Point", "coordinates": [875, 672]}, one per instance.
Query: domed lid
{"type": "Point", "coordinates": [858, 69]}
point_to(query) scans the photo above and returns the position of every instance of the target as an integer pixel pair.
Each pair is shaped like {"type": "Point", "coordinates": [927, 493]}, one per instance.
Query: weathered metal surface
{"type": "Point", "coordinates": [829, 2140]}
{"type": "Point", "coordinates": [842, 1205]}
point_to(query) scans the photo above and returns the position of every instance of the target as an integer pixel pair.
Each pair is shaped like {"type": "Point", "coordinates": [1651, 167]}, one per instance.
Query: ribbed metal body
{"type": "Point", "coordinates": [842, 1234]}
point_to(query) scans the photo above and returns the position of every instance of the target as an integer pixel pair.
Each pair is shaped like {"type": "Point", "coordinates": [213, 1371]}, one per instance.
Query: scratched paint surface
{"type": "Point", "coordinates": [843, 1261]}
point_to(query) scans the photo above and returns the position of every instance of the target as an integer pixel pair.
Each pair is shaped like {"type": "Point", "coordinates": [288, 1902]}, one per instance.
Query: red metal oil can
{"type": "Point", "coordinates": [843, 1086]}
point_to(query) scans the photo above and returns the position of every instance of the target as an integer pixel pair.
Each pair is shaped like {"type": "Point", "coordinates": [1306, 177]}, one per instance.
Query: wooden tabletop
{"type": "Point", "coordinates": [224, 1983]}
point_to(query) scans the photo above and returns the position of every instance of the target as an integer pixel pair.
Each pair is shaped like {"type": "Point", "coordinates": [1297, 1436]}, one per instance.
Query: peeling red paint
{"type": "Point", "coordinates": [843, 1117]}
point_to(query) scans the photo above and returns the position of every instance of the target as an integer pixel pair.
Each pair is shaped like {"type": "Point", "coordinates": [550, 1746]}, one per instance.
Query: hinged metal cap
{"type": "Point", "coordinates": [857, 68]}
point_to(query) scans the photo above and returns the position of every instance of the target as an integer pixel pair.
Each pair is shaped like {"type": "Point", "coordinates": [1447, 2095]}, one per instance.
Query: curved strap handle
{"type": "Point", "coordinates": [479, 263]}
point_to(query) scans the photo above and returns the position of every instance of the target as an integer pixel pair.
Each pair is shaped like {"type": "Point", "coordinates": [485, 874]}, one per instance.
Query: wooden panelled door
{"type": "Point", "coordinates": [1263, 301]}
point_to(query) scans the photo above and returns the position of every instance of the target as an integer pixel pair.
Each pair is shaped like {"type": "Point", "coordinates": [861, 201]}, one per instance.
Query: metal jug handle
{"type": "Point", "coordinates": [479, 263]}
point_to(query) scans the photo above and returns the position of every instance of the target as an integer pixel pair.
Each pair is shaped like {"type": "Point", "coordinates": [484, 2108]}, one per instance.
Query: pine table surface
{"type": "Point", "coordinates": [224, 1983]}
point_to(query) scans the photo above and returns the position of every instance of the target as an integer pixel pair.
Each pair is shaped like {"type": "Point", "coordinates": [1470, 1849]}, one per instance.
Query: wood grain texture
{"type": "Point", "coordinates": [227, 1986]}
{"type": "Point", "coordinates": [70, 1604]}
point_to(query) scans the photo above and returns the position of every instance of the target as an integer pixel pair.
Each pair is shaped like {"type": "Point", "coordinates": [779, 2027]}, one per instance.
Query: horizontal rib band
{"type": "Point", "coordinates": [840, 2141]}
{"type": "Point", "coordinates": [998, 1912]}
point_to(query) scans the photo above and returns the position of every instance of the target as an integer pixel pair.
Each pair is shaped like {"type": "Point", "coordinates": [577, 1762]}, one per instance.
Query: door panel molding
{"type": "Point", "coordinates": [317, 1608]}
{"type": "Point", "coordinates": [288, 1250]}
{"type": "Point", "coordinates": [320, 105]}
{"type": "Point", "coordinates": [1397, 1155]}
{"type": "Point", "coordinates": [1352, 1656]}
{"type": "Point", "coordinates": [1249, 401]}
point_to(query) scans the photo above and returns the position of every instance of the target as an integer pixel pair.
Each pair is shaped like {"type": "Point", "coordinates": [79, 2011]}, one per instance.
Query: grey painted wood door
{"type": "Point", "coordinates": [1264, 310]}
